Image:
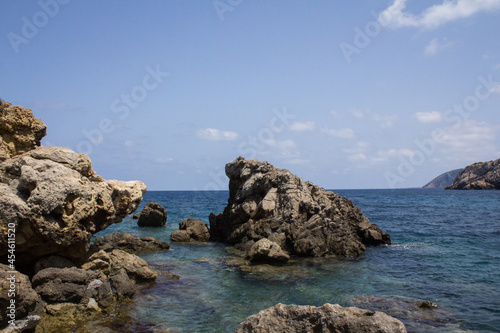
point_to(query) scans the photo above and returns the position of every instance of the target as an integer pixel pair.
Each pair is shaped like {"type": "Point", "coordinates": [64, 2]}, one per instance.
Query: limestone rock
{"type": "Point", "coordinates": [26, 299]}
{"type": "Point", "coordinates": [19, 130]}
{"type": "Point", "coordinates": [267, 251]}
{"type": "Point", "coordinates": [191, 230]}
{"type": "Point", "coordinates": [478, 176]}
{"type": "Point", "coordinates": [327, 318]}
{"type": "Point", "coordinates": [152, 215]}
{"type": "Point", "coordinates": [302, 218]}
{"type": "Point", "coordinates": [128, 243]}
{"type": "Point", "coordinates": [56, 202]}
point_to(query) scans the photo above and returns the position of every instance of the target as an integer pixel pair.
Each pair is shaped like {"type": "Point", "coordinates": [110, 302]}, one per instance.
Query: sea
{"type": "Point", "coordinates": [445, 249]}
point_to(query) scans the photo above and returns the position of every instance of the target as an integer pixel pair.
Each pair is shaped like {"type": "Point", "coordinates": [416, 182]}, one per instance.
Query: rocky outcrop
{"type": "Point", "coordinates": [478, 176]}
{"type": "Point", "coordinates": [152, 215]}
{"type": "Point", "coordinates": [327, 318]}
{"type": "Point", "coordinates": [17, 287]}
{"type": "Point", "coordinates": [19, 130]}
{"type": "Point", "coordinates": [267, 251]}
{"type": "Point", "coordinates": [443, 180]}
{"type": "Point", "coordinates": [128, 243]}
{"type": "Point", "coordinates": [56, 203]}
{"type": "Point", "coordinates": [302, 218]}
{"type": "Point", "coordinates": [191, 230]}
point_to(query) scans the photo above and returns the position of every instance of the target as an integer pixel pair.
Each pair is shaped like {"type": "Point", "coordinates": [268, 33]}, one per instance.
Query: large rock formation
{"type": "Point", "coordinates": [327, 318]}
{"type": "Point", "coordinates": [478, 176]}
{"type": "Point", "coordinates": [443, 180]}
{"type": "Point", "coordinates": [302, 218]}
{"type": "Point", "coordinates": [51, 196]}
{"type": "Point", "coordinates": [19, 130]}
{"type": "Point", "coordinates": [191, 230]}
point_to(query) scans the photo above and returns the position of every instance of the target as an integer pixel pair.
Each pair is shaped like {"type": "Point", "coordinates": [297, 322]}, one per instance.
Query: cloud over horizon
{"type": "Point", "coordinates": [212, 134]}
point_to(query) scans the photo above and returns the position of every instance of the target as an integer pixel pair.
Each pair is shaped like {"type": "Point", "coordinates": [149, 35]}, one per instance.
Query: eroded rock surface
{"type": "Point", "coordinates": [128, 243]}
{"type": "Point", "coordinates": [327, 318]}
{"type": "Point", "coordinates": [478, 176]}
{"type": "Point", "coordinates": [152, 215]}
{"type": "Point", "coordinates": [302, 218]}
{"type": "Point", "coordinates": [191, 230]}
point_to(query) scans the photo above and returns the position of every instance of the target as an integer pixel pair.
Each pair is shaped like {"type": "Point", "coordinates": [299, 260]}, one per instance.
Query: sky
{"type": "Point", "coordinates": [349, 95]}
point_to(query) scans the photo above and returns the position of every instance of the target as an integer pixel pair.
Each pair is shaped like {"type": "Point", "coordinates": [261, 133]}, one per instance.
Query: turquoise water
{"type": "Point", "coordinates": [446, 250]}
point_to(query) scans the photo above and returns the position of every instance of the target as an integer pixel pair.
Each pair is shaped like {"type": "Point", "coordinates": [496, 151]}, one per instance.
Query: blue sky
{"type": "Point", "coordinates": [359, 94]}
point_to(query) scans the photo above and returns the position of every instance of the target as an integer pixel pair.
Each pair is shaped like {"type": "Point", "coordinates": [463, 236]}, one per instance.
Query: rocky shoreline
{"type": "Point", "coordinates": [53, 202]}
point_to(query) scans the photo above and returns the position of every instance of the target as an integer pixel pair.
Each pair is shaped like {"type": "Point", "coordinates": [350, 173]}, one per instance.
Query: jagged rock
{"type": "Point", "coordinates": [56, 203]}
{"type": "Point", "coordinates": [63, 285]}
{"type": "Point", "coordinates": [136, 215]}
{"type": "Point", "coordinates": [19, 130]}
{"type": "Point", "coordinates": [478, 176]}
{"type": "Point", "coordinates": [266, 251]}
{"type": "Point", "coordinates": [191, 230]}
{"type": "Point", "coordinates": [152, 215]}
{"type": "Point", "coordinates": [18, 285]}
{"type": "Point", "coordinates": [327, 318]}
{"type": "Point", "coordinates": [53, 261]}
{"type": "Point", "coordinates": [128, 243]}
{"type": "Point", "coordinates": [302, 218]}
{"type": "Point", "coordinates": [443, 180]}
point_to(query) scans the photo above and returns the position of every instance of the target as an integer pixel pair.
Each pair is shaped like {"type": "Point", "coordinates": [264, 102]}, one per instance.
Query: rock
{"type": "Point", "coordinates": [191, 230]}
{"type": "Point", "coordinates": [152, 215]}
{"type": "Point", "coordinates": [27, 324]}
{"type": "Point", "coordinates": [63, 285]}
{"type": "Point", "coordinates": [128, 243]}
{"type": "Point", "coordinates": [56, 203]}
{"type": "Point", "coordinates": [266, 251]}
{"type": "Point", "coordinates": [443, 180]}
{"type": "Point", "coordinates": [327, 318]}
{"type": "Point", "coordinates": [19, 130]}
{"type": "Point", "coordinates": [302, 218]}
{"type": "Point", "coordinates": [478, 176]}
{"type": "Point", "coordinates": [136, 215]}
{"type": "Point", "coordinates": [26, 299]}
{"type": "Point", "coordinates": [427, 305]}
{"type": "Point", "coordinates": [54, 261]}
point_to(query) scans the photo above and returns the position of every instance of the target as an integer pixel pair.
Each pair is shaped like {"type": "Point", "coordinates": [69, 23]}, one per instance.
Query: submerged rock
{"type": "Point", "coordinates": [478, 176]}
{"type": "Point", "coordinates": [267, 251]}
{"type": "Point", "coordinates": [128, 243]}
{"type": "Point", "coordinates": [152, 215]}
{"type": "Point", "coordinates": [302, 218]}
{"type": "Point", "coordinates": [191, 230]}
{"type": "Point", "coordinates": [327, 318]}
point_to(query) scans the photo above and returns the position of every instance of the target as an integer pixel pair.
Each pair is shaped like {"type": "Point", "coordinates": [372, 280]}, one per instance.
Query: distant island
{"type": "Point", "coordinates": [478, 176]}
{"type": "Point", "coordinates": [443, 180]}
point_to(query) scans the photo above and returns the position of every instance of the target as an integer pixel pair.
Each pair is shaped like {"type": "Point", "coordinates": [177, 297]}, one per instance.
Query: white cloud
{"type": "Point", "coordinates": [213, 134]}
{"type": "Point", "coordinates": [164, 160]}
{"type": "Point", "coordinates": [384, 155]}
{"type": "Point", "coordinates": [470, 139]}
{"type": "Point", "coordinates": [384, 120]}
{"type": "Point", "coordinates": [345, 133]}
{"type": "Point", "coordinates": [357, 113]}
{"type": "Point", "coordinates": [285, 144]}
{"type": "Point", "coordinates": [357, 157]}
{"type": "Point", "coordinates": [301, 127]}
{"type": "Point", "coordinates": [495, 89]}
{"type": "Point", "coordinates": [435, 46]}
{"type": "Point", "coordinates": [429, 117]}
{"type": "Point", "coordinates": [436, 15]}
{"type": "Point", "coordinates": [360, 147]}
{"type": "Point", "coordinates": [128, 143]}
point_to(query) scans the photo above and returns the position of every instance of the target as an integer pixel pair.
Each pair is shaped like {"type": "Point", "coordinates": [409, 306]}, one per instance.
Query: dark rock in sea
{"type": "Point", "coordinates": [302, 218]}
{"type": "Point", "coordinates": [327, 318]}
{"type": "Point", "coordinates": [26, 299]}
{"type": "Point", "coordinates": [191, 230]}
{"type": "Point", "coordinates": [443, 180]}
{"type": "Point", "coordinates": [267, 251]}
{"type": "Point", "coordinates": [136, 216]}
{"type": "Point", "coordinates": [478, 176]}
{"type": "Point", "coordinates": [152, 215]}
{"type": "Point", "coordinates": [128, 243]}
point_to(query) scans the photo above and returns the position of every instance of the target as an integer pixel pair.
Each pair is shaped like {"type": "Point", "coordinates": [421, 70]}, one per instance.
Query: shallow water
{"type": "Point", "coordinates": [446, 250]}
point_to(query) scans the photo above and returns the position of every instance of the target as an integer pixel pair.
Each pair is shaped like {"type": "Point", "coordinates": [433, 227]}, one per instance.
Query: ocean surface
{"type": "Point", "coordinates": [446, 249]}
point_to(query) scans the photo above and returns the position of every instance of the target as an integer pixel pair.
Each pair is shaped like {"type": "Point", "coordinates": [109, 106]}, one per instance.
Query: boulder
{"type": "Point", "coordinates": [478, 176]}
{"type": "Point", "coordinates": [26, 299]}
{"type": "Point", "coordinates": [191, 230]}
{"type": "Point", "coordinates": [136, 215]}
{"type": "Point", "coordinates": [302, 218]}
{"type": "Point", "coordinates": [327, 318]}
{"type": "Point", "coordinates": [53, 261]}
{"type": "Point", "coordinates": [128, 243]}
{"type": "Point", "coordinates": [152, 215]}
{"type": "Point", "coordinates": [266, 251]}
{"type": "Point", "coordinates": [56, 203]}
{"type": "Point", "coordinates": [19, 130]}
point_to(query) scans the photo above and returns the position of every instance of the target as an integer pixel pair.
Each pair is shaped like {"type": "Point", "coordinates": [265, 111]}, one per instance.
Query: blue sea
{"type": "Point", "coordinates": [446, 249]}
